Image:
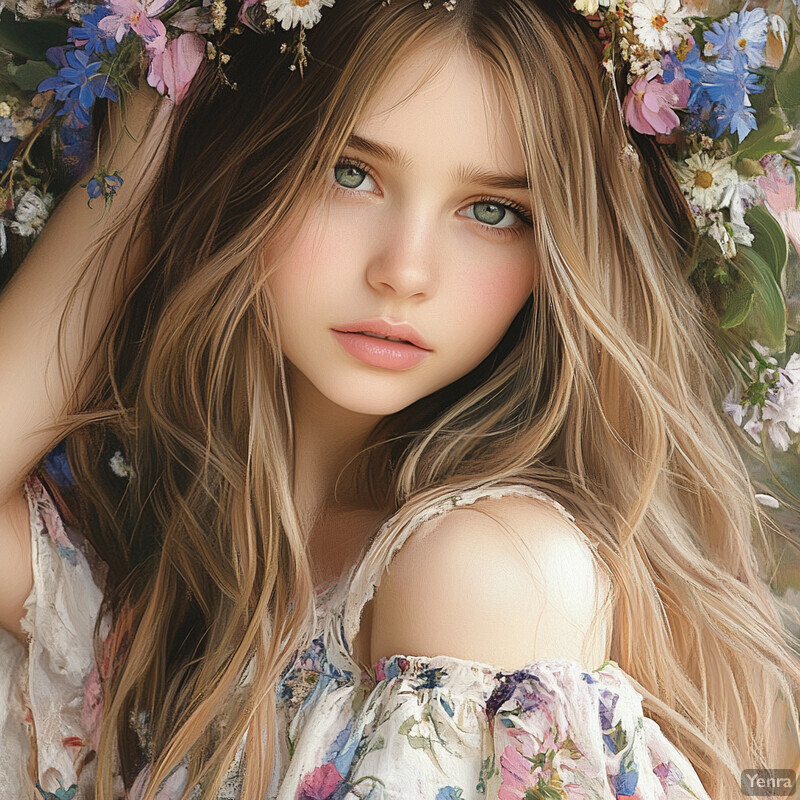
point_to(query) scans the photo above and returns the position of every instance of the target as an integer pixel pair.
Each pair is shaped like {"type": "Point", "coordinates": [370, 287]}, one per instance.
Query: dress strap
{"type": "Point", "coordinates": [389, 539]}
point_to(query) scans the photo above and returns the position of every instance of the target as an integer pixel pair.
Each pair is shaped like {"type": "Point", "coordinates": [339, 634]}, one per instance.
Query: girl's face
{"type": "Point", "coordinates": [425, 221]}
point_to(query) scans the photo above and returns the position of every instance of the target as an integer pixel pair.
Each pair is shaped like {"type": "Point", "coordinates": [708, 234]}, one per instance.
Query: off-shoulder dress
{"type": "Point", "coordinates": [409, 728]}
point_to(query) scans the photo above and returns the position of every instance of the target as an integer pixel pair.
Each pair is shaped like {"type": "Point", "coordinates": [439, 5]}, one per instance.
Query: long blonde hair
{"type": "Point", "coordinates": [604, 393]}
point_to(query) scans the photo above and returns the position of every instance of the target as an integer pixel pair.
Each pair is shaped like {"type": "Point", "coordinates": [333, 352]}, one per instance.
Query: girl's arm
{"type": "Point", "coordinates": [32, 393]}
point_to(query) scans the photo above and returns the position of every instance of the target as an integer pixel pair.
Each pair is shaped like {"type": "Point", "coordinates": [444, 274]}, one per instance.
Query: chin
{"type": "Point", "coordinates": [371, 403]}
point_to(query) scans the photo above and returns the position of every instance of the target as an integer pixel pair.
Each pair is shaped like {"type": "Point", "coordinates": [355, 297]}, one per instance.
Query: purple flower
{"type": "Point", "coordinates": [136, 15]}
{"type": "Point", "coordinates": [90, 37]}
{"type": "Point", "coordinates": [319, 784]}
{"type": "Point", "coordinates": [741, 36]}
{"type": "Point", "coordinates": [668, 774]}
{"type": "Point", "coordinates": [79, 81]}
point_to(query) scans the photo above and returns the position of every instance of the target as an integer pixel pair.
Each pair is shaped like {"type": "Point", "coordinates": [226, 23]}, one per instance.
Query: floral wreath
{"type": "Point", "coordinates": [714, 82]}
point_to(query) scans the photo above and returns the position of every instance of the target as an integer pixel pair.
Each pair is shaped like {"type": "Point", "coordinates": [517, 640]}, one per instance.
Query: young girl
{"type": "Point", "coordinates": [515, 555]}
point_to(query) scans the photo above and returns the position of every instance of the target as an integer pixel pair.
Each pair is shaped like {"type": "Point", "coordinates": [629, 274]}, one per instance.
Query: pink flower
{"type": "Point", "coordinates": [134, 15]}
{"type": "Point", "coordinates": [778, 183]}
{"type": "Point", "coordinates": [779, 193]}
{"type": "Point", "coordinates": [515, 771]}
{"type": "Point", "coordinates": [173, 66]}
{"type": "Point", "coordinates": [320, 784]}
{"type": "Point", "coordinates": [649, 104]}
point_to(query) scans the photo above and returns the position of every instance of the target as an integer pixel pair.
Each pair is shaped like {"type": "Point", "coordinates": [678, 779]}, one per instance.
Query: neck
{"type": "Point", "coordinates": [326, 437]}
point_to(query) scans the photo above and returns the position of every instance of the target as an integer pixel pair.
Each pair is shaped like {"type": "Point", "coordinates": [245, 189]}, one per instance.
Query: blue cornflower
{"type": "Point", "coordinates": [740, 36]}
{"type": "Point", "coordinates": [103, 185]}
{"type": "Point", "coordinates": [80, 80]}
{"type": "Point", "coordinates": [685, 62]}
{"type": "Point", "coordinates": [729, 85]}
{"type": "Point", "coordinates": [90, 37]}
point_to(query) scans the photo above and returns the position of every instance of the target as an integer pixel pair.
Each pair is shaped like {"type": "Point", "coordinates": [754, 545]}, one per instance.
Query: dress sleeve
{"type": "Point", "coordinates": [441, 728]}
{"type": "Point", "coordinates": [50, 707]}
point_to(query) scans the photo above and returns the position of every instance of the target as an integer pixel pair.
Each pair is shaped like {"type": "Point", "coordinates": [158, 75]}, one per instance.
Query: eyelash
{"type": "Point", "coordinates": [510, 231]}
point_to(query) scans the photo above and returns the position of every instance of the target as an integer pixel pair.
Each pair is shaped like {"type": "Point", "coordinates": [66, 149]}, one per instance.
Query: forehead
{"type": "Point", "coordinates": [449, 108]}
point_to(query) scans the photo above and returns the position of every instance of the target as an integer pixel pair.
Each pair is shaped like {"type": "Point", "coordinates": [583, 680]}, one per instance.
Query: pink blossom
{"type": "Point", "coordinates": [173, 66]}
{"type": "Point", "coordinates": [649, 104]}
{"type": "Point", "coordinates": [515, 772]}
{"type": "Point", "coordinates": [779, 193]}
{"type": "Point", "coordinates": [778, 183]}
{"type": "Point", "coordinates": [320, 784]}
{"type": "Point", "coordinates": [136, 16]}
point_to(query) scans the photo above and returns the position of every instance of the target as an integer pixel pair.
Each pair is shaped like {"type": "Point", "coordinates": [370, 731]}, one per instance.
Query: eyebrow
{"type": "Point", "coordinates": [464, 174]}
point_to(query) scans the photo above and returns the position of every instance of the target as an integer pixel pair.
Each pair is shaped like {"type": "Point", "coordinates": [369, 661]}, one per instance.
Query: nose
{"type": "Point", "coordinates": [403, 260]}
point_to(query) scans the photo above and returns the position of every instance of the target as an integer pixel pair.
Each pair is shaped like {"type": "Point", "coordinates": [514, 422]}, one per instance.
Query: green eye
{"type": "Point", "coordinates": [489, 213]}
{"type": "Point", "coordinates": [349, 175]}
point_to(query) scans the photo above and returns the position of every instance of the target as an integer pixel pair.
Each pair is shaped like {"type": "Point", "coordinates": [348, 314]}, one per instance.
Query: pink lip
{"type": "Point", "coordinates": [379, 352]}
{"type": "Point", "coordinates": [383, 327]}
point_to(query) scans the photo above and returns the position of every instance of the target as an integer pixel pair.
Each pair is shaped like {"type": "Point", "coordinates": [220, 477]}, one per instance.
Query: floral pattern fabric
{"type": "Point", "coordinates": [409, 728]}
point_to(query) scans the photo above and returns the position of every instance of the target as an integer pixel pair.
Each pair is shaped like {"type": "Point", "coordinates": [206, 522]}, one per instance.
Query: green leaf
{"type": "Point", "coordinates": [767, 320]}
{"type": "Point", "coordinates": [787, 80]}
{"type": "Point", "coordinates": [762, 141]}
{"type": "Point", "coordinates": [769, 239]}
{"type": "Point", "coordinates": [29, 75]}
{"type": "Point", "coordinates": [739, 305]}
{"type": "Point", "coordinates": [30, 39]}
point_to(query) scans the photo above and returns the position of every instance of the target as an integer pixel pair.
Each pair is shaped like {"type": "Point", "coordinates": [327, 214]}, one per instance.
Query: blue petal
{"type": "Point", "coordinates": [57, 465]}
{"type": "Point", "coordinates": [86, 98]}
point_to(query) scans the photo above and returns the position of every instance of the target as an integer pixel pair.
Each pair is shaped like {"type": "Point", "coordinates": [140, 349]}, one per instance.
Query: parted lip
{"type": "Point", "coordinates": [384, 327]}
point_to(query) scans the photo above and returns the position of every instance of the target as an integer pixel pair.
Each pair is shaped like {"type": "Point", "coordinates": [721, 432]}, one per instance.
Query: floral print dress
{"type": "Point", "coordinates": [409, 728]}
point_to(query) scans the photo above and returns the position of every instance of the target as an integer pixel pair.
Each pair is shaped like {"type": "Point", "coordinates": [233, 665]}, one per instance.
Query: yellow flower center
{"type": "Point", "coordinates": [703, 179]}
{"type": "Point", "coordinates": [135, 16]}
{"type": "Point", "coordinates": [301, 3]}
{"type": "Point", "coordinates": [659, 21]}
{"type": "Point", "coordinates": [742, 43]}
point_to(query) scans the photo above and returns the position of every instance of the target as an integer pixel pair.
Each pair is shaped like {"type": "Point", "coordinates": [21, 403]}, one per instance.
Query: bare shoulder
{"type": "Point", "coordinates": [505, 581]}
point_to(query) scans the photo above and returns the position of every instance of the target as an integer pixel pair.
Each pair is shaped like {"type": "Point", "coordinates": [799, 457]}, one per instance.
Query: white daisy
{"type": "Point", "coordinates": [296, 12]}
{"type": "Point", "coordinates": [659, 24]}
{"type": "Point", "coordinates": [708, 182]}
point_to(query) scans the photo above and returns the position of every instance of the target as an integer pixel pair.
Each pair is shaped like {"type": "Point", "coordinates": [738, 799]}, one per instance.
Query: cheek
{"type": "Point", "coordinates": [495, 291]}
{"type": "Point", "coordinates": [306, 264]}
